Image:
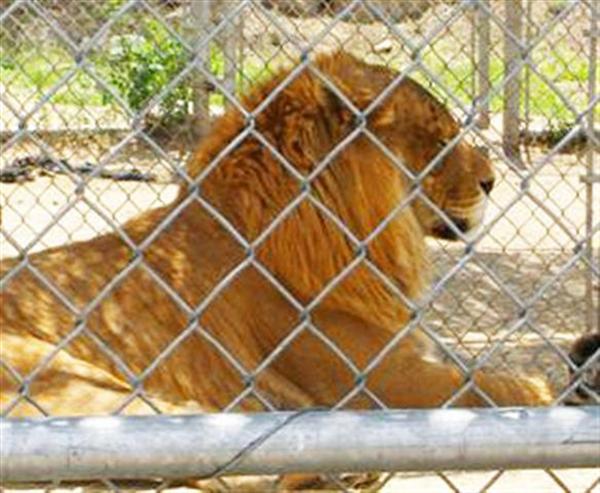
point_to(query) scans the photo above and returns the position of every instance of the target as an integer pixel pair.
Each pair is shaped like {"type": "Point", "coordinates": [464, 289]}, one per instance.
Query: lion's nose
{"type": "Point", "coordinates": [487, 185]}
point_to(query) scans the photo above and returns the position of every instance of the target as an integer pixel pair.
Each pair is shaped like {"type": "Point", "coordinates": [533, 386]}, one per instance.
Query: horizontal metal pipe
{"type": "Point", "coordinates": [309, 441]}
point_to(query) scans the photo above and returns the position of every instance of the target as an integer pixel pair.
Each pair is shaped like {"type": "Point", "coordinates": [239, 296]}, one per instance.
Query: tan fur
{"type": "Point", "coordinates": [249, 318]}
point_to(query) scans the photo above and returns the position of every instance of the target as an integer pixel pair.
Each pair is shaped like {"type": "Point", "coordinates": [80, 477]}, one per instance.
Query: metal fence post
{"type": "Point", "coordinates": [592, 315]}
{"type": "Point", "coordinates": [513, 36]}
{"type": "Point", "coordinates": [206, 445]}
{"type": "Point", "coordinates": [482, 19]}
{"type": "Point", "coordinates": [198, 23]}
{"type": "Point", "coordinates": [230, 42]}
{"type": "Point", "coordinates": [527, 79]}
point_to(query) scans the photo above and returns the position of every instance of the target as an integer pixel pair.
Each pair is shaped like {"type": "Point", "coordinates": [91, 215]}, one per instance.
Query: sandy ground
{"type": "Point", "coordinates": [525, 481]}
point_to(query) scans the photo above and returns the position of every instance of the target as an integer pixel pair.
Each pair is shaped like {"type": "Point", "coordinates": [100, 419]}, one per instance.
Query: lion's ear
{"type": "Point", "coordinates": [384, 116]}
{"type": "Point", "coordinates": [352, 90]}
{"type": "Point", "coordinates": [358, 81]}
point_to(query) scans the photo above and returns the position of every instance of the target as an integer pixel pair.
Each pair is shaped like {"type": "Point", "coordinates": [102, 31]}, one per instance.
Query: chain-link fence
{"type": "Point", "coordinates": [216, 252]}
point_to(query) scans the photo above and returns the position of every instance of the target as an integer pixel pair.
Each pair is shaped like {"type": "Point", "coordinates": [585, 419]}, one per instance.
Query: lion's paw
{"type": "Point", "coordinates": [585, 355]}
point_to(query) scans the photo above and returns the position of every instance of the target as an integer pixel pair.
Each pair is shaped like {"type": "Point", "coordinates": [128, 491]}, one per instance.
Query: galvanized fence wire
{"type": "Point", "coordinates": [578, 247]}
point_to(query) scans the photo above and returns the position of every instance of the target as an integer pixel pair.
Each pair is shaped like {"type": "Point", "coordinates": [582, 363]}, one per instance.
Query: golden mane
{"type": "Point", "coordinates": [310, 121]}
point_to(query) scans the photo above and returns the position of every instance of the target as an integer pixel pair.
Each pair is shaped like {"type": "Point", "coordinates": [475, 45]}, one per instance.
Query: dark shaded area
{"type": "Point", "coordinates": [27, 168]}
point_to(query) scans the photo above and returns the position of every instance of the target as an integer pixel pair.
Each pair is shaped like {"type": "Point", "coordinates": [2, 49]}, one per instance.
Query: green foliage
{"type": "Point", "coordinates": [562, 68]}
{"type": "Point", "coordinates": [140, 65]}
{"type": "Point", "coordinates": [6, 62]}
{"type": "Point", "coordinates": [27, 69]}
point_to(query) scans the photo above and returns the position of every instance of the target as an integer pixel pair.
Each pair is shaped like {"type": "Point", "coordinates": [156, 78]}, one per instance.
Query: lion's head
{"type": "Point", "coordinates": [460, 179]}
{"type": "Point", "coordinates": [310, 116]}
{"type": "Point", "coordinates": [307, 125]}
{"type": "Point", "coordinates": [417, 128]}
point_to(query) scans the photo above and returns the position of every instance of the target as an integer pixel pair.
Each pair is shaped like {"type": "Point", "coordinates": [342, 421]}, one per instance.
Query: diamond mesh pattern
{"type": "Point", "coordinates": [102, 104]}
